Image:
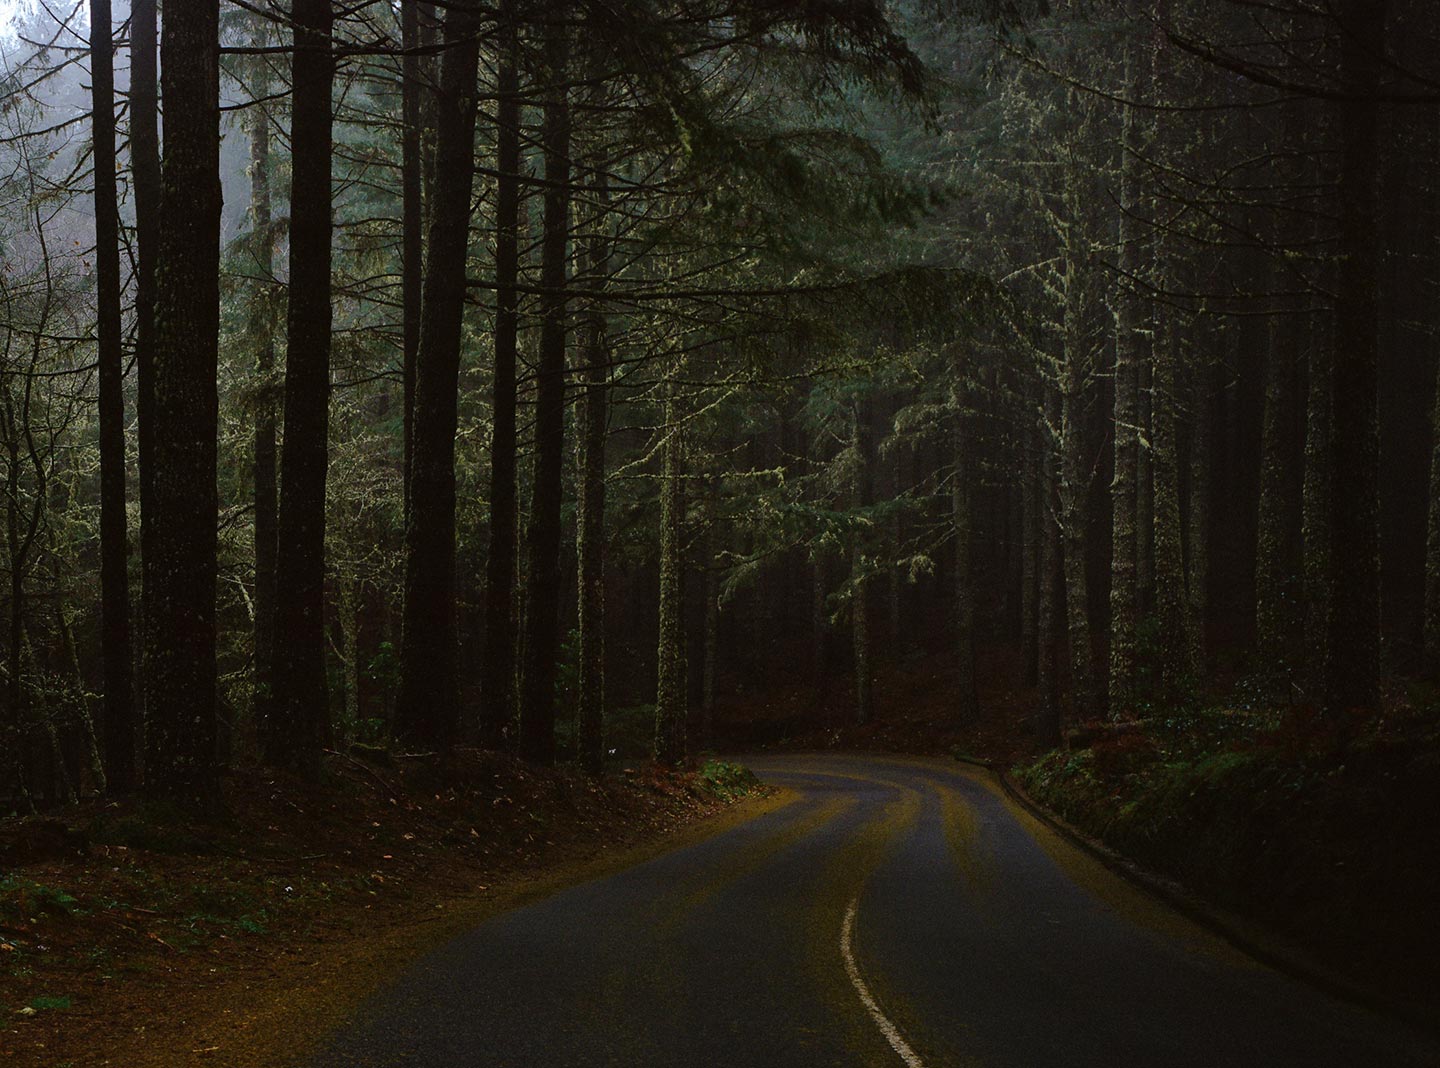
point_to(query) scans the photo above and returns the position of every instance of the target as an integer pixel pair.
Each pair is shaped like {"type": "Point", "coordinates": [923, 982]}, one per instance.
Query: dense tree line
{"type": "Point", "coordinates": [531, 375]}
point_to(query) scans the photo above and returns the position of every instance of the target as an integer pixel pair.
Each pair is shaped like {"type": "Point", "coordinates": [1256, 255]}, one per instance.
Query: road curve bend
{"type": "Point", "coordinates": [895, 913]}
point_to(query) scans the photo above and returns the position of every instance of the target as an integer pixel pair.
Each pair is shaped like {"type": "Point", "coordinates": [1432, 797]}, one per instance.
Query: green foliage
{"type": "Point", "coordinates": [22, 898]}
{"type": "Point", "coordinates": [1321, 824]}
{"type": "Point", "coordinates": [727, 781]}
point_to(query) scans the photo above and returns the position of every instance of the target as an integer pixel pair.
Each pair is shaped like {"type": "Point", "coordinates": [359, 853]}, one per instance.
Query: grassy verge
{"type": "Point", "coordinates": [1323, 828]}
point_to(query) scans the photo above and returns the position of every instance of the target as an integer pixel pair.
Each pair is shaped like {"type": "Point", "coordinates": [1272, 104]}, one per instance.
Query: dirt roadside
{"type": "Point", "coordinates": [243, 944]}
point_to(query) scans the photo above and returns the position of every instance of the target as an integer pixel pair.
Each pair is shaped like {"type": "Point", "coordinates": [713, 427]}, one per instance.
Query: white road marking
{"type": "Point", "coordinates": [888, 1029]}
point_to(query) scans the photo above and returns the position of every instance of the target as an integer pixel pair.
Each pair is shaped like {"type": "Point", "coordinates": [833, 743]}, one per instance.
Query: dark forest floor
{"type": "Point", "coordinates": [132, 936]}
{"type": "Point", "coordinates": [1321, 830]}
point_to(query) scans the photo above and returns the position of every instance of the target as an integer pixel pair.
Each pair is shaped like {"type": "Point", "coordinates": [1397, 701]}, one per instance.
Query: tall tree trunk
{"type": "Point", "coordinates": [144, 112]}
{"type": "Point", "coordinates": [1316, 507]}
{"type": "Point", "coordinates": [967, 702]}
{"type": "Point", "coordinates": [427, 707]}
{"type": "Point", "coordinates": [262, 318]}
{"type": "Point", "coordinates": [1171, 605]}
{"type": "Point", "coordinates": [1353, 631]}
{"type": "Point", "coordinates": [412, 223]}
{"type": "Point", "coordinates": [498, 680]}
{"type": "Point", "coordinates": [301, 705]}
{"type": "Point", "coordinates": [1145, 489]}
{"type": "Point", "coordinates": [1198, 564]}
{"type": "Point", "coordinates": [819, 619]}
{"type": "Point", "coordinates": [543, 535]}
{"type": "Point", "coordinates": [1075, 472]}
{"type": "Point", "coordinates": [1031, 518]}
{"type": "Point", "coordinates": [179, 566]}
{"type": "Point", "coordinates": [1129, 356]}
{"type": "Point", "coordinates": [1278, 619]}
{"type": "Point", "coordinates": [672, 688]}
{"type": "Point", "coordinates": [590, 538]}
{"type": "Point", "coordinates": [861, 639]}
{"type": "Point", "coordinates": [1431, 661]}
{"type": "Point", "coordinates": [1047, 615]}
{"type": "Point", "coordinates": [1279, 521]}
{"type": "Point", "coordinates": [711, 593]}
{"type": "Point", "coordinates": [119, 683]}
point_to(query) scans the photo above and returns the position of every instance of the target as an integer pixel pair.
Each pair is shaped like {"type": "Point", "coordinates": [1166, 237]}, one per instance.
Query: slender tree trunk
{"type": "Point", "coordinates": [543, 535]}
{"type": "Point", "coordinates": [301, 704]}
{"type": "Point", "coordinates": [350, 597]}
{"type": "Point", "coordinates": [672, 687]}
{"type": "Point", "coordinates": [712, 615]}
{"type": "Point", "coordinates": [1279, 520]}
{"type": "Point", "coordinates": [15, 695]}
{"type": "Point", "coordinates": [1198, 565]}
{"type": "Point", "coordinates": [412, 223]}
{"type": "Point", "coordinates": [819, 620]}
{"type": "Point", "coordinates": [427, 708]}
{"type": "Point", "coordinates": [1431, 664]}
{"type": "Point", "coordinates": [1145, 489]}
{"type": "Point", "coordinates": [1353, 630]}
{"type": "Point", "coordinates": [498, 682]}
{"type": "Point", "coordinates": [1031, 518]}
{"type": "Point", "coordinates": [1075, 472]}
{"type": "Point", "coordinates": [1278, 618]}
{"type": "Point", "coordinates": [120, 718]}
{"type": "Point", "coordinates": [1171, 605]}
{"type": "Point", "coordinates": [85, 724]}
{"type": "Point", "coordinates": [1048, 613]}
{"type": "Point", "coordinates": [179, 566]}
{"type": "Point", "coordinates": [1129, 356]}
{"type": "Point", "coordinates": [864, 492]}
{"type": "Point", "coordinates": [591, 533]}
{"type": "Point", "coordinates": [967, 703]}
{"type": "Point", "coordinates": [266, 484]}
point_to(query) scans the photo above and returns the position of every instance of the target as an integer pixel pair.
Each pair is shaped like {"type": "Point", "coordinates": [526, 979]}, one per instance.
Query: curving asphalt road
{"type": "Point", "coordinates": [894, 913]}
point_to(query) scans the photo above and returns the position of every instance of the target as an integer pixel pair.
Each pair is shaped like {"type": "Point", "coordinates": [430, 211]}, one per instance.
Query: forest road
{"type": "Point", "coordinates": [893, 913]}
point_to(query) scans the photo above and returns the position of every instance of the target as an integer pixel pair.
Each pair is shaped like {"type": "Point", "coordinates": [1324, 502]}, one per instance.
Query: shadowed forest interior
{"type": "Point", "coordinates": [602, 384]}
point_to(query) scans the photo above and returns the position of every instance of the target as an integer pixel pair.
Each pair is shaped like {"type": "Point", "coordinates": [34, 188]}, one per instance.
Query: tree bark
{"type": "Point", "coordinates": [1031, 518]}
{"type": "Point", "coordinates": [1278, 524]}
{"type": "Point", "coordinates": [301, 704]}
{"type": "Point", "coordinates": [144, 114]}
{"type": "Point", "coordinates": [967, 703]}
{"type": "Point", "coordinates": [1129, 356]}
{"type": "Point", "coordinates": [120, 718]}
{"type": "Point", "coordinates": [1048, 612]}
{"type": "Point", "coordinates": [412, 224]}
{"type": "Point", "coordinates": [179, 565]}
{"type": "Point", "coordinates": [262, 244]}
{"type": "Point", "coordinates": [1171, 607]}
{"type": "Point", "coordinates": [1198, 563]}
{"type": "Point", "coordinates": [543, 535]}
{"type": "Point", "coordinates": [591, 549]}
{"type": "Point", "coordinates": [672, 688]}
{"type": "Point", "coordinates": [498, 680]}
{"type": "Point", "coordinates": [1075, 471]}
{"type": "Point", "coordinates": [711, 593]}
{"type": "Point", "coordinates": [1353, 629]}
{"type": "Point", "coordinates": [427, 708]}
{"type": "Point", "coordinates": [1431, 661]}
{"type": "Point", "coordinates": [861, 638]}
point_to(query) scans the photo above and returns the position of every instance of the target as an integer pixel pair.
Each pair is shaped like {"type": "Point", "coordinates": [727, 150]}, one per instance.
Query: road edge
{"type": "Point", "coordinates": [1249, 938]}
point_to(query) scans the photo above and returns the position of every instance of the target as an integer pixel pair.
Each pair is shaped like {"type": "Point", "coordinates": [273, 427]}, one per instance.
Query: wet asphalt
{"type": "Point", "coordinates": [976, 938]}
